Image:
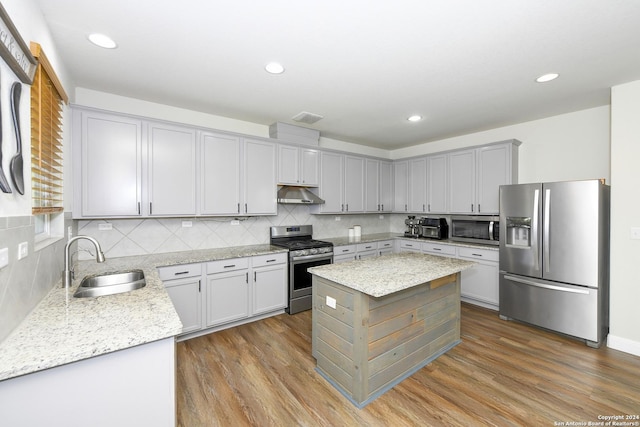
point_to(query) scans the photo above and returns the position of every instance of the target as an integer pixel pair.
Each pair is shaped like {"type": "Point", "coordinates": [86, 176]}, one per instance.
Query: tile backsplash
{"type": "Point", "coordinates": [160, 235]}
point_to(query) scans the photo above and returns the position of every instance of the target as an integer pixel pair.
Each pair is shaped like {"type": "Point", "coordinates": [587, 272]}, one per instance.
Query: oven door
{"type": "Point", "coordinates": [300, 278]}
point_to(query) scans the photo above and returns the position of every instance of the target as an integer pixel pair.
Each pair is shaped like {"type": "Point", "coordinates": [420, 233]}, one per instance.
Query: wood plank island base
{"type": "Point", "coordinates": [377, 321]}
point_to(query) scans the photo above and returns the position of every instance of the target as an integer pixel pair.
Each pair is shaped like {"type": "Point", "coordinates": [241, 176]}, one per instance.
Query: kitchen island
{"type": "Point", "coordinates": [377, 321]}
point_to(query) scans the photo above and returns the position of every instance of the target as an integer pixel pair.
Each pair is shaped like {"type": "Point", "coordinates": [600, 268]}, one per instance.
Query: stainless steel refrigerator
{"type": "Point", "coordinates": [554, 257]}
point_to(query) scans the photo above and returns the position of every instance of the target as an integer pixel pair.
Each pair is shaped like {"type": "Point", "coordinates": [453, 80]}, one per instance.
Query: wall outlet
{"type": "Point", "coordinates": [337, 218]}
{"type": "Point", "coordinates": [635, 233]}
{"type": "Point", "coordinates": [381, 217]}
{"type": "Point", "coordinates": [23, 250]}
{"type": "Point", "coordinates": [235, 222]}
{"type": "Point", "coordinates": [186, 224]}
{"type": "Point", "coordinates": [4, 257]}
{"type": "Point", "coordinates": [69, 232]}
{"type": "Point", "coordinates": [105, 226]}
{"type": "Point", "coordinates": [331, 302]}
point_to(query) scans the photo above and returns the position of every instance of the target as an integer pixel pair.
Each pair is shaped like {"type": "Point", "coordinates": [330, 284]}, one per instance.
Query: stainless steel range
{"type": "Point", "coordinates": [304, 252]}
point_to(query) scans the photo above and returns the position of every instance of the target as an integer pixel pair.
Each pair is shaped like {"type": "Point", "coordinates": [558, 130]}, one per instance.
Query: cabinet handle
{"type": "Point", "coordinates": [472, 208]}
{"type": "Point", "coordinates": [345, 250]}
{"type": "Point", "coordinates": [405, 208]}
{"type": "Point", "coordinates": [480, 255]}
{"type": "Point", "coordinates": [368, 247]}
{"type": "Point", "coordinates": [247, 278]}
{"type": "Point", "coordinates": [238, 207]}
{"type": "Point", "coordinates": [150, 208]}
{"type": "Point", "coordinates": [382, 206]}
{"type": "Point", "coordinates": [180, 272]}
{"type": "Point", "coordinates": [342, 208]}
{"type": "Point", "coordinates": [359, 256]}
{"type": "Point", "coordinates": [245, 208]}
{"type": "Point", "coordinates": [271, 260]}
{"type": "Point", "coordinates": [347, 207]}
{"type": "Point", "coordinates": [436, 249]}
{"type": "Point", "coordinates": [138, 208]}
{"type": "Point", "coordinates": [254, 276]}
{"type": "Point", "coordinates": [378, 208]}
{"type": "Point", "coordinates": [199, 285]}
{"type": "Point", "coordinates": [229, 266]}
{"type": "Point", "coordinates": [429, 207]}
{"type": "Point", "coordinates": [478, 207]}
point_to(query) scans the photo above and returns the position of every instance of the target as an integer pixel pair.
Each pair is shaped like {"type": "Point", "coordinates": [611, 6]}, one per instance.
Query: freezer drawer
{"type": "Point", "coordinates": [571, 310]}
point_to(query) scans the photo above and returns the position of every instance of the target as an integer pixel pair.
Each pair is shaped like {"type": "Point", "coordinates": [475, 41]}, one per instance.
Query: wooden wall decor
{"type": "Point", "coordinates": [14, 50]}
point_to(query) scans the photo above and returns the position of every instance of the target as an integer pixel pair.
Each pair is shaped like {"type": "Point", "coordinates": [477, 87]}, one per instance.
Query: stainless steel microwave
{"type": "Point", "coordinates": [476, 229]}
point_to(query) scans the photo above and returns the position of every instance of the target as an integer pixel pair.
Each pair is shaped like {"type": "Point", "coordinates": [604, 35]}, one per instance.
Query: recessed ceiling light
{"type": "Point", "coordinates": [102, 41]}
{"type": "Point", "coordinates": [414, 118]}
{"type": "Point", "coordinates": [274, 68]}
{"type": "Point", "coordinates": [547, 77]}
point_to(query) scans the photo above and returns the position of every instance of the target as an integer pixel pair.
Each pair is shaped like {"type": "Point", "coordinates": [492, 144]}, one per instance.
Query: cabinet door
{"type": "Point", "coordinates": [309, 170]}
{"type": "Point", "coordinates": [418, 185]}
{"type": "Point", "coordinates": [260, 188]}
{"type": "Point", "coordinates": [220, 174]}
{"type": "Point", "coordinates": [331, 182]}
{"type": "Point", "coordinates": [288, 165]}
{"type": "Point", "coordinates": [480, 283]}
{"type": "Point", "coordinates": [111, 165]}
{"type": "Point", "coordinates": [353, 184]}
{"type": "Point", "coordinates": [227, 296]}
{"type": "Point", "coordinates": [185, 296]}
{"type": "Point", "coordinates": [494, 170]}
{"type": "Point", "coordinates": [172, 170]}
{"type": "Point", "coordinates": [400, 186]}
{"type": "Point", "coordinates": [385, 186]}
{"type": "Point", "coordinates": [368, 254]}
{"type": "Point", "coordinates": [437, 184]}
{"type": "Point", "coordinates": [269, 288]}
{"type": "Point", "coordinates": [462, 181]}
{"type": "Point", "coordinates": [372, 179]}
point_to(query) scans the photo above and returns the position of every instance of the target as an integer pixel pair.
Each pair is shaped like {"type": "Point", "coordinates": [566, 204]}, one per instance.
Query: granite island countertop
{"type": "Point", "coordinates": [63, 329]}
{"type": "Point", "coordinates": [378, 237]}
{"type": "Point", "coordinates": [391, 273]}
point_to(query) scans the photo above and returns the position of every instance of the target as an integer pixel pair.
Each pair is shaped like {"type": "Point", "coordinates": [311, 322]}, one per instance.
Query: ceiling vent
{"type": "Point", "coordinates": [306, 117]}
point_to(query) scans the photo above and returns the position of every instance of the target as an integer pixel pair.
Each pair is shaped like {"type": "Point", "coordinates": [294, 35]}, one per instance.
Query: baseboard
{"type": "Point", "coordinates": [623, 344]}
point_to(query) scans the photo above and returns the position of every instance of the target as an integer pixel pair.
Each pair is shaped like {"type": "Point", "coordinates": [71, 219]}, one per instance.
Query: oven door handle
{"type": "Point", "coordinates": [312, 257]}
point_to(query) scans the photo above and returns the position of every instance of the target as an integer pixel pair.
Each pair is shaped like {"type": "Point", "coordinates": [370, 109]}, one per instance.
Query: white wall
{"type": "Point", "coordinates": [566, 147]}
{"type": "Point", "coordinates": [625, 213]}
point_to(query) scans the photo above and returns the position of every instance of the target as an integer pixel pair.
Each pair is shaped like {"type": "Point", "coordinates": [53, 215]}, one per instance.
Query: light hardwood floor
{"type": "Point", "coordinates": [502, 374]}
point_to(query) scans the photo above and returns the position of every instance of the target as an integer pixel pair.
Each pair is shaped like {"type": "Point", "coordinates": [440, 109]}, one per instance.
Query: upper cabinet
{"type": "Point", "coordinates": [298, 166]}
{"type": "Point", "coordinates": [107, 166]}
{"type": "Point", "coordinates": [475, 177]}
{"type": "Point", "coordinates": [401, 186]}
{"type": "Point", "coordinates": [172, 170]}
{"type": "Point", "coordinates": [378, 186]}
{"type": "Point", "coordinates": [220, 165]}
{"type": "Point", "coordinates": [341, 183]}
{"type": "Point", "coordinates": [437, 183]}
{"type": "Point", "coordinates": [418, 185]}
{"type": "Point", "coordinates": [260, 195]}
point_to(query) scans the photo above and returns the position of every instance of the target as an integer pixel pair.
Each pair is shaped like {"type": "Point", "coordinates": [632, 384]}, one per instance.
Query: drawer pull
{"type": "Point", "coordinates": [477, 255]}
{"type": "Point", "coordinates": [436, 249]}
{"type": "Point", "coordinates": [345, 250]}
{"type": "Point", "coordinates": [180, 273]}
{"type": "Point", "coordinates": [271, 260]}
{"type": "Point", "coordinates": [229, 266]}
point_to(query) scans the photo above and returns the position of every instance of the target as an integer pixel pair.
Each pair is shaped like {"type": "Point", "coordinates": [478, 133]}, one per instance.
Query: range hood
{"type": "Point", "coordinates": [298, 195]}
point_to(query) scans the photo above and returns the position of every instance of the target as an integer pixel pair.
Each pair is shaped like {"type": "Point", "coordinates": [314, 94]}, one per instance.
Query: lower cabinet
{"type": "Point", "coordinates": [227, 292]}
{"type": "Point", "coordinates": [480, 284]}
{"type": "Point", "coordinates": [362, 251]}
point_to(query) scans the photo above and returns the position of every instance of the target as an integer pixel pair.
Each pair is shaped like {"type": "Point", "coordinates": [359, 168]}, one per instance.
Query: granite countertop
{"type": "Point", "coordinates": [63, 329]}
{"type": "Point", "coordinates": [391, 273]}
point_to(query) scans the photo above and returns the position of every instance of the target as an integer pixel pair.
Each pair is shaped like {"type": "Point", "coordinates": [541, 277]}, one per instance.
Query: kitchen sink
{"type": "Point", "coordinates": [110, 283]}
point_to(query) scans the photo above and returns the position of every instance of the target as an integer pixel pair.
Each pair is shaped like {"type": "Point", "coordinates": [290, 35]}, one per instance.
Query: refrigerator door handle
{"type": "Point", "coordinates": [545, 238]}
{"type": "Point", "coordinates": [545, 286]}
{"type": "Point", "coordinates": [534, 231]}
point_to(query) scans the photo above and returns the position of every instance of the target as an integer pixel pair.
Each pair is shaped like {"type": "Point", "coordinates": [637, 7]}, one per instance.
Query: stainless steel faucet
{"type": "Point", "coordinates": [67, 274]}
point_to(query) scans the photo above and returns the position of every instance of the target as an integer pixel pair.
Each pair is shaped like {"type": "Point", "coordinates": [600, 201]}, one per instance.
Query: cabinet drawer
{"type": "Point", "coordinates": [385, 244]}
{"type": "Point", "coordinates": [474, 253]}
{"type": "Point", "coordinates": [363, 247]}
{"type": "Point", "coordinates": [410, 244]}
{"type": "Point", "coordinates": [270, 259]}
{"type": "Point", "coordinates": [342, 250]}
{"type": "Point", "coordinates": [179, 271]}
{"type": "Point", "coordinates": [438, 249]}
{"type": "Point", "coordinates": [231, 264]}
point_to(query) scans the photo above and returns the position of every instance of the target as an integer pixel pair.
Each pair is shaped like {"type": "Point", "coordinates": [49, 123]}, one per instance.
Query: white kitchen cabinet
{"type": "Point", "coordinates": [435, 248]}
{"type": "Point", "coordinates": [220, 165]}
{"type": "Point", "coordinates": [475, 177]}
{"type": "Point", "coordinates": [480, 284]}
{"type": "Point", "coordinates": [269, 283]}
{"type": "Point", "coordinates": [386, 247]}
{"type": "Point", "coordinates": [297, 166]}
{"type": "Point", "coordinates": [227, 291]}
{"type": "Point", "coordinates": [418, 185]}
{"type": "Point", "coordinates": [172, 170]}
{"type": "Point", "coordinates": [378, 186]}
{"type": "Point", "coordinates": [401, 186]}
{"type": "Point", "coordinates": [260, 190]}
{"type": "Point", "coordinates": [437, 183]}
{"type": "Point", "coordinates": [184, 286]}
{"type": "Point", "coordinates": [353, 184]}
{"type": "Point", "coordinates": [385, 190]}
{"type": "Point", "coordinates": [108, 161]}
{"type": "Point", "coordinates": [331, 183]}
{"type": "Point", "coordinates": [410, 246]}
{"type": "Point", "coordinates": [367, 250]}
{"type": "Point", "coordinates": [462, 181]}
{"type": "Point", "coordinates": [344, 253]}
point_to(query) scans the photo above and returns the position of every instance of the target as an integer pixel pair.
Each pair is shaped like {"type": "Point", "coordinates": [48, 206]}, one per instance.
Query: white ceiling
{"type": "Point", "coordinates": [365, 65]}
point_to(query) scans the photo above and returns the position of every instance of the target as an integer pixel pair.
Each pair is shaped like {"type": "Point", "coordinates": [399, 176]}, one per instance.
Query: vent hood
{"type": "Point", "coordinates": [298, 195]}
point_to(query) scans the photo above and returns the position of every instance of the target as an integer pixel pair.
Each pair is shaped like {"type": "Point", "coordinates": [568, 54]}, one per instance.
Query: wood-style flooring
{"type": "Point", "coordinates": [502, 374]}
